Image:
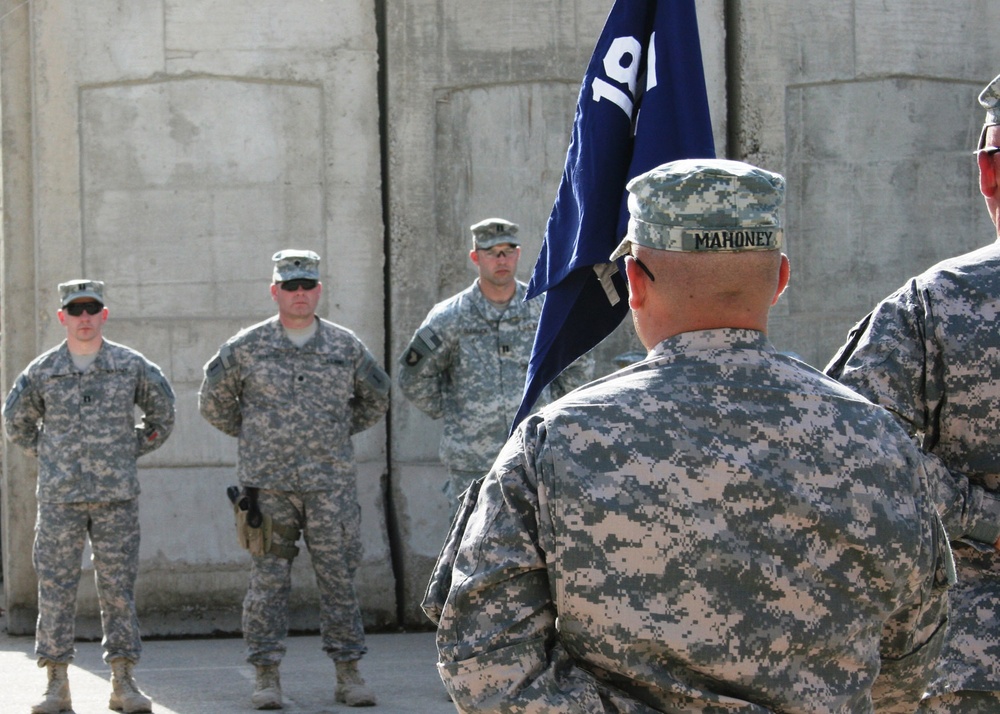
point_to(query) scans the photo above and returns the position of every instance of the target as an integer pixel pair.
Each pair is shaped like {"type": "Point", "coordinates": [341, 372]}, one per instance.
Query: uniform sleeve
{"type": "Point", "coordinates": [23, 411]}
{"type": "Point", "coordinates": [498, 649]}
{"type": "Point", "coordinates": [913, 636]}
{"type": "Point", "coordinates": [891, 358]}
{"type": "Point", "coordinates": [578, 373]}
{"type": "Point", "coordinates": [219, 395]}
{"type": "Point", "coordinates": [424, 367]}
{"type": "Point", "coordinates": [886, 358]}
{"type": "Point", "coordinates": [155, 397]}
{"type": "Point", "coordinates": [371, 393]}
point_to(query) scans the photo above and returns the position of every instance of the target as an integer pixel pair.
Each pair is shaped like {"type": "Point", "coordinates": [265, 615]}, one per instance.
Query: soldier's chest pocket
{"type": "Point", "coordinates": [327, 383]}
{"type": "Point", "coordinates": [92, 394]}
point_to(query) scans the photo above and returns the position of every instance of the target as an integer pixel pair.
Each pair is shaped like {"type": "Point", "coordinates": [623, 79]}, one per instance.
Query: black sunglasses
{"type": "Point", "coordinates": [78, 308]}
{"type": "Point", "coordinates": [306, 284]}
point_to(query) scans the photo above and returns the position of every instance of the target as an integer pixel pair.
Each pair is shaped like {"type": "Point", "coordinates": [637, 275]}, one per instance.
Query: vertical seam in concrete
{"type": "Point", "coordinates": [391, 521]}
{"type": "Point", "coordinates": [733, 66]}
{"type": "Point", "coordinates": [19, 295]}
{"type": "Point", "coordinates": [79, 178]}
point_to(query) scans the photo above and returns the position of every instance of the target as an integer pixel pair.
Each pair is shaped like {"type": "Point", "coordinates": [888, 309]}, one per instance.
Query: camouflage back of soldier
{"type": "Point", "coordinates": [719, 528]}
{"type": "Point", "coordinates": [930, 353]}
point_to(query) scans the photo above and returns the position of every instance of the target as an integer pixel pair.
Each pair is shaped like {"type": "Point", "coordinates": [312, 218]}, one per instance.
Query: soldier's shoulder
{"type": "Point", "coordinates": [338, 333]}
{"type": "Point", "coordinates": [47, 358]}
{"type": "Point", "coordinates": [121, 351]}
{"type": "Point", "coordinates": [253, 335]}
{"type": "Point", "coordinates": [454, 307]}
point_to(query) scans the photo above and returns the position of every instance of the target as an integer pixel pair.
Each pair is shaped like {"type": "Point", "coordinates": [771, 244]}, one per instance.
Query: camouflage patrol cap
{"type": "Point", "coordinates": [989, 98]}
{"type": "Point", "coordinates": [494, 231]}
{"type": "Point", "coordinates": [77, 289]}
{"type": "Point", "coordinates": [704, 205]}
{"type": "Point", "coordinates": [290, 264]}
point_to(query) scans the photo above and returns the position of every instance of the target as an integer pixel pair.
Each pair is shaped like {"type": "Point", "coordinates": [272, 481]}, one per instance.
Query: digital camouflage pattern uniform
{"type": "Point", "coordinates": [718, 528]}
{"type": "Point", "coordinates": [930, 354]}
{"type": "Point", "coordinates": [710, 529]}
{"type": "Point", "coordinates": [466, 363]}
{"type": "Point", "coordinates": [294, 411]}
{"type": "Point", "coordinates": [81, 426]}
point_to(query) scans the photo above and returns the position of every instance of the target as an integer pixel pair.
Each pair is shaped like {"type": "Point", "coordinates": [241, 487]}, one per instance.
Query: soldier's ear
{"type": "Point", "coordinates": [784, 272]}
{"type": "Point", "coordinates": [987, 174]}
{"type": "Point", "coordinates": [638, 281]}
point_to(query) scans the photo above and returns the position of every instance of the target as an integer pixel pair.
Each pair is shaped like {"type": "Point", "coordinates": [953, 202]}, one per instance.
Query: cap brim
{"type": "Point", "coordinates": [499, 240]}
{"type": "Point", "coordinates": [623, 249]}
{"type": "Point", "coordinates": [82, 294]}
{"type": "Point", "coordinates": [295, 275]}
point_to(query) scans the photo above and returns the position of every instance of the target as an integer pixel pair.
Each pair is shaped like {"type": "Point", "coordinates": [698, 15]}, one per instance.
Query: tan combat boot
{"type": "Point", "coordinates": [57, 693]}
{"type": "Point", "coordinates": [267, 690]}
{"type": "Point", "coordinates": [125, 694]}
{"type": "Point", "coordinates": [351, 688]}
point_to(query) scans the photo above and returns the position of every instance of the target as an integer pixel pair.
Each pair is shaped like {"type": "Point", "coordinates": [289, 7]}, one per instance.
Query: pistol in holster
{"type": "Point", "coordinates": [255, 530]}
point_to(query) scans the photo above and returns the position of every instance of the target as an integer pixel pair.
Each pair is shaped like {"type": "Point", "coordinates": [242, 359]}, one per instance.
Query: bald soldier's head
{"type": "Point", "coordinates": [703, 249]}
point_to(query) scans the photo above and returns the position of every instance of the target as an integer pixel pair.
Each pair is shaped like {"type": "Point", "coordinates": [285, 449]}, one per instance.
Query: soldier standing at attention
{"type": "Point", "coordinates": [467, 361]}
{"type": "Point", "coordinates": [716, 528]}
{"type": "Point", "coordinates": [293, 389]}
{"type": "Point", "coordinates": [73, 408]}
{"type": "Point", "coordinates": [929, 354]}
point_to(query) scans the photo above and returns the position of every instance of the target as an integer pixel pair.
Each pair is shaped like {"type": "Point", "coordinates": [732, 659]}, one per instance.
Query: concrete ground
{"type": "Point", "coordinates": [209, 676]}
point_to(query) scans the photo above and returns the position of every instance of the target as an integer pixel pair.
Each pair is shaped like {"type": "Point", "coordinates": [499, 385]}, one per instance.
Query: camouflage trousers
{"type": "Point", "coordinates": [60, 533]}
{"type": "Point", "coordinates": [962, 703]}
{"type": "Point", "coordinates": [968, 672]}
{"type": "Point", "coordinates": [333, 537]}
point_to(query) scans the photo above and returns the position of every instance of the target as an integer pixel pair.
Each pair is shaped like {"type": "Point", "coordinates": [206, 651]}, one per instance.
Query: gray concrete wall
{"type": "Point", "coordinates": [870, 110]}
{"type": "Point", "coordinates": [169, 147]}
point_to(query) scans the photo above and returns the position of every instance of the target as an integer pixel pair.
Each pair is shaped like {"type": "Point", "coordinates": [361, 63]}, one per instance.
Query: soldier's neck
{"type": "Point", "coordinates": [78, 348]}
{"type": "Point", "coordinates": [497, 296]}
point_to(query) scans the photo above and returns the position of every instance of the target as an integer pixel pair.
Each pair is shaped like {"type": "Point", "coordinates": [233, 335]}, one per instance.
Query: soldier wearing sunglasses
{"type": "Point", "coordinates": [73, 408]}
{"type": "Point", "coordinates": [293, 389]}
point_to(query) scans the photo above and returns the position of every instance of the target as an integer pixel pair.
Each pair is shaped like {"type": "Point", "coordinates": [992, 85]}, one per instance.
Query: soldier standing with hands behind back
{"type": "Point", "coordinates": [467, 361]}
{"type": "Point", "coordinates": [293, 389]}
{"type": "Point", "coordinates": [73, 407]}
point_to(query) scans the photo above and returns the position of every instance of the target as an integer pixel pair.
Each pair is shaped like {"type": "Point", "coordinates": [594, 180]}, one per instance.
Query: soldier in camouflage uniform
{"type": "Point", "coordinates": [929, 354]}
{"type": "Point", "coordinates": [717, 528]}
{"type": "Point", "coordinates": [468, 360]}
{"type": "Point", "coordinates": [73, 408]}
{"type": "Point", "coordinates": [293, 389]}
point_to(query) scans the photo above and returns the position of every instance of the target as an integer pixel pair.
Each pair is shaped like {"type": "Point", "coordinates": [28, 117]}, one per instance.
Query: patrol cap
{"type": "Point", "coordinates": [990, 99]}
{"type": "Point", "coordinates": [695, 205]}
{"type": "Point", "coordinates": [494, 231]}
{"type": "Point", "coordinates": [77, 289]}
{"type": "Point", "coordinates": [291, 264]}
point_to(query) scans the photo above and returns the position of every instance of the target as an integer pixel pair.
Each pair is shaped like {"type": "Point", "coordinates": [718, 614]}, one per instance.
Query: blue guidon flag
{"type": "Point", "coordinates": [642, 103]}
